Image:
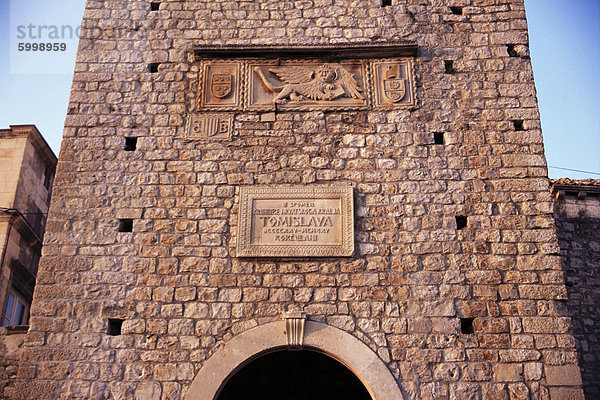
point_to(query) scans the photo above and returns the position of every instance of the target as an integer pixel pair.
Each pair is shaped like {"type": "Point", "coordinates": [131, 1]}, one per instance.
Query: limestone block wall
{"type": "Point", "coordinates": [11, 154]}
{"type": "Point", "coordinates": [456, 274]}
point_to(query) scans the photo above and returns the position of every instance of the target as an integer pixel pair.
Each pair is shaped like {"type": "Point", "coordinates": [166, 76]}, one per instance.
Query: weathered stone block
{"type": "Point", "coordinates": [566, 393]}
{"type": "Point", "coordinates": [563, 375]}
{"type": "Point", "coordinates": [508, 372]}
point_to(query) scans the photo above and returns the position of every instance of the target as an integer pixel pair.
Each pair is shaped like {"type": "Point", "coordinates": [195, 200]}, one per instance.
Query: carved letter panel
{"type": "Point", "coordinates": [296, 221]}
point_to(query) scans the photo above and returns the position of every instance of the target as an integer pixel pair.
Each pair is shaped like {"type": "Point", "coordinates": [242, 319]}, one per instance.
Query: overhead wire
{"type": "Point", "coordinates": [575, 170]}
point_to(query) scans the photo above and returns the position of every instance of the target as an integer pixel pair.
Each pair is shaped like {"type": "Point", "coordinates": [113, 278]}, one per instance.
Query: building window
{"type": "Point", "coordinates": [16, 310]}
{"type": "Point", "coordinates": [47, 178]}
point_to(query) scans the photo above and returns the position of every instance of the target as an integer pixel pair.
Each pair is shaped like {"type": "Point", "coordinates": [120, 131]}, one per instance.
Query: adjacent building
{"type": "Point", "coordinates": [577, 216]}
{"type": "Point", "coordinates": [27, 166]}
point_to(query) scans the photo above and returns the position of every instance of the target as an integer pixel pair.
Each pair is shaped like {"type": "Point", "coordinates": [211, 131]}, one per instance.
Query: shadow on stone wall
{"type": "Point", "coordinates": [11, 343]}
{"type": "Point", "coordinates": [579, 240]}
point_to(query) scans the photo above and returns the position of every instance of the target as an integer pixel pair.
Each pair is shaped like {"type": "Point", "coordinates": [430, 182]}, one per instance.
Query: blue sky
{"type": "Point", "coordinates": [565, 51]}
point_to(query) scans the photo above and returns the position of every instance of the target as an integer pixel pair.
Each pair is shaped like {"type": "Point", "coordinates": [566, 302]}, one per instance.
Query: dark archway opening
{"type": "Point", "coordinates": [294, 375]}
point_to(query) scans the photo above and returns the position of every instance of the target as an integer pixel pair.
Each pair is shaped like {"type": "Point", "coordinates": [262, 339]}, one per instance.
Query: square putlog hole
{"type": "Point", "coordinates": [461, 222]}
{"type": "Point", "coordinates": [510, 49]}
{"type": "Point", "coordinates": [114, 326]}
{"type": "Point", "coordinates": [154, 6]}
{"type": "Point", "coordinates": [456, 10]}
{"type": "Point", "coordinates": [130, 143]}
{"type": "Point", "coordinates": [386, 3]}
{"type": "Point", "coordinates": [153, 67]}
{"type": "Point", "coordinates": [466, 326]}
{"type": "Point", "coordinates": [449, 66]}
{"type": "Point", "coordinates": [518, 124]}
{"type": "Point", "coordinates": [438, 138]}
{"type": "Point", "coordinates": [126, 225]}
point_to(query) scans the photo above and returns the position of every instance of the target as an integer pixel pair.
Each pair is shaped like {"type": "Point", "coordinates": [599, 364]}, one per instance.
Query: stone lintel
{"type": "Point", "coordinates": [335, 51]}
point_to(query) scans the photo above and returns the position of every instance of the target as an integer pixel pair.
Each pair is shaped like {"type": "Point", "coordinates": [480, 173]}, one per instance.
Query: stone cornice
{"type": "Point", "coordinates": [22, 226]}
{"type": "Point", "coordinates": [36, 138]}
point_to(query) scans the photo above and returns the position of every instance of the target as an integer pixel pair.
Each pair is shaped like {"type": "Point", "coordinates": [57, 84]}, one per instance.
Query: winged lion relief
{"type": "Point", "coordinates": [328, 82]}
{"type": "Point", "coordinates": [306, 85]}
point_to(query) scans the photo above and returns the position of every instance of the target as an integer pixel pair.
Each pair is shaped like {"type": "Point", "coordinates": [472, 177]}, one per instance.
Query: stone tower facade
{"type": "Point", "coordinates": [358, 179]}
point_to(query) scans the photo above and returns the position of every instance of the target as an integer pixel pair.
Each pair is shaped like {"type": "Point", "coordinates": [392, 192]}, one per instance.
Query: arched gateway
{"type": "Point", "coordinates": [294, 375]}
{"type": "Point", "coordinates": [269, 340]}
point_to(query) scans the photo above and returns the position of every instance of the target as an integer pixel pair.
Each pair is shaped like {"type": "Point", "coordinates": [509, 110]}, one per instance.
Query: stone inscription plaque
{"type": "Point", "coordinates": [299, 221]}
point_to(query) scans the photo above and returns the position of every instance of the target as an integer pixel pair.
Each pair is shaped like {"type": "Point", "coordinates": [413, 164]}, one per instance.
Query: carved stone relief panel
{"type": "Point", "coordinates": [220, 85]}
{"type": "Point", "coordinates": [258, 96]}
{"type": "Point", "coordinates": [306, 85]}
{"type": "Point", "coordinates": [393, 83]}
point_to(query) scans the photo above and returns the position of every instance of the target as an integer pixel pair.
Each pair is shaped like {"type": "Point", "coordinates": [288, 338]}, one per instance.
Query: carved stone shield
{"type": "Point", "coordinates": [394, 89]}
{"type": "Point", "coordinates": [213, 126]}
{"type": "Point", "coordinates": [220, 85]}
